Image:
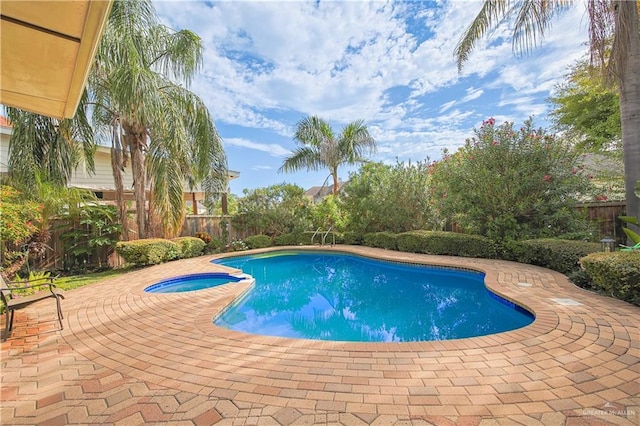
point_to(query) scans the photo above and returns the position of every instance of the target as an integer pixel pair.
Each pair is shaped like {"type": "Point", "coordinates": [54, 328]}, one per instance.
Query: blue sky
{"type": "Point", "coordinates": [268, 64]}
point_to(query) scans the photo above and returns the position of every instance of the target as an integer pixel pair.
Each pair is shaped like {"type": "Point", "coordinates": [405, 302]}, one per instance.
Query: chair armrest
{"type": "Point", "coordinates": [23, 285]}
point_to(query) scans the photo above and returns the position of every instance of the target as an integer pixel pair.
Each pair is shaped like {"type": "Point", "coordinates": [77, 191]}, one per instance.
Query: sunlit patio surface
{"type": "Point", "coordinates": [129, 357]}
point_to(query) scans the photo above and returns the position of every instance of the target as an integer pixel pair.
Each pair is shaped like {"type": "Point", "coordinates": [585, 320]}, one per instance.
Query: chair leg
{"type": "Point", "coordinates": [60, 317]}
{"type": "Point", "coordinates": [7, 327]}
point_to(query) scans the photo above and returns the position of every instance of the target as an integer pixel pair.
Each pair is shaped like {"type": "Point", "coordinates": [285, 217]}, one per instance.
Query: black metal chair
{"type": "Point", "coordinates": [12, 300]}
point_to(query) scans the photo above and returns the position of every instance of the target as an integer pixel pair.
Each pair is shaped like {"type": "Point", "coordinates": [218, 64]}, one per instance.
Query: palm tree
{"type": "Point", "coordinates": [163, 128]}
{"type": "Point", "coordinates": [608, 19]}
{"type": "Point", "coordinates": [321, 148]}
{"type": "Point", "coordinates": [48, 148]}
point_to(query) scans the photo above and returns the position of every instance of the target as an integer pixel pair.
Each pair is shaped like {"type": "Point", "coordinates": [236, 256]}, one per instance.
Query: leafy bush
{"type": "Point", "coordinates": [560, 255]}
{"type": "Point", "coordinates": [190, 246]}
{"type": "Point", "coordinates": [237, 245]}
{"type": "Point", "coordinates": [352, 238]}
{"type": "Point", "coordinates": [617, 274]}
{"type": "Point", "coordinates": [385, 240]}
{"type": "Point", "coordinates": [274, 210]}
{"type": "Point", "coordinates": [204, 236]}
{"type": "Point", "coordinates": [511, 184]}
{"type": "Point", "coordinates": [148, 251]}
{"type": "Point", "coordinates": [258, 241]}
{"type": "Point", "coordinates": [214, 246]}
{"type": "Point", "coordinates": [293, 239]}
{"type": "Point", "coordinates": [389, 198]}
{"type": "Point", "coordinates": [447, 243]}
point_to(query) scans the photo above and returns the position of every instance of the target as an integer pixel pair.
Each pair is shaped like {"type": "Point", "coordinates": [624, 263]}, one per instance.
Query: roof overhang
{"type": "Point", "coordinates": [47, 49]}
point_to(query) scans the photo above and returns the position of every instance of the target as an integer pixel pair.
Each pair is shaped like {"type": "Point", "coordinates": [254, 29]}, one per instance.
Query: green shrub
{"type": "Point", "coordinates": [560, 255]}
{"type": "Point", "coordinates": [385, 240]}
{"type": "Point", "coordinates": [204, 236]}
{"type": "Point", "coordinates": [293, 239]}
{"type": "Point", "coordinates": [412, 241]}
{"type": "Point", "coordinates": [352, 238]}
{"type": "Point", "coordinates": [617, 274]}
{"type": "Point", "coordinates": [258, 241]}
{"type": "Point", "coordinates": [446, 243]}
{"type": "Point", "coordinates": [148, 251]}
{"type": "Point", "coordinates": [214, 246]}
{"type": "Point", "coordinates": [237, 245]}
{"type": "Point", "coordinates": [190, 246]}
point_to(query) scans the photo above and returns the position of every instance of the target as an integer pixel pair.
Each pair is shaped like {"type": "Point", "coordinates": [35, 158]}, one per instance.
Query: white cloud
{"type": "Point", "coordinates": [271, 148]}
{"type": "Point", "coordinates": [269, 63]}
{"type": "Point", "coordinates": [472, 93]}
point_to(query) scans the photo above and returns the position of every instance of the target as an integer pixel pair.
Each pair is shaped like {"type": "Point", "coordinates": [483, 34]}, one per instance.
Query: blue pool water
{"type": "Point", "coordinates": [191, 282]}
{"type": "Point", "coordinates": [340, 297]}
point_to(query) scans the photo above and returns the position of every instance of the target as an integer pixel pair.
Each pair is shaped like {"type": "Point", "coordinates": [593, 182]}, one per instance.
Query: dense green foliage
{"type": "Point", "coordinates": [150, 251]}
{"type": "Point", "coordinates": [388, 198]}
{"type": "Point", "coordinates": [274, 210]}
{"type": "Point", "coordinates": [385, 240]}
{"type": "Point", "coordinates": [559, 255]}
{"type": "Point", "coordinates": [508, 184]}
{"type": "Point", "coordinates": [293, 239]}
{"type": "Point", "coordinates": [587, 109]}
{"type": "Point", "coordinates": [88, 228]}
{"type": "Point", "coordinates": [189, 246]}
{"type": "Point", "coordinates": [617, 274]}
{"type": "Point", "coordinates": [328, 214]}
{"type": "Point", "coordinates": [446, 243]}
{"type": "Point", "coordinates": [258, 241]}
{"type": "Point", "coordinates": [19, 217]}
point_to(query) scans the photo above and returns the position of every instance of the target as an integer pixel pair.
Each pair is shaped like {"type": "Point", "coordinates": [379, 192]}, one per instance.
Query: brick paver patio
{"type": "Point", "coordinates": [129, 357]}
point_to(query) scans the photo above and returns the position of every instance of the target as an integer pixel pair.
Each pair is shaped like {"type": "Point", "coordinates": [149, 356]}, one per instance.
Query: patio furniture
{"type": "Point", "coordinates": [9, 293]}
{"type": "Point", "coordinates": [630, 248]}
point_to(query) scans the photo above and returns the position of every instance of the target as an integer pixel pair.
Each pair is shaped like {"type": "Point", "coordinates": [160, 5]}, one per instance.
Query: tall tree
{"type": "Point", "coordinates": [152, 120]}
{"type": "Point", "coordinates": [320, 147]}
{"type": "Point", "coordinates": [587, 109]}
{"type": "Point", "coordinates": [615, 20]}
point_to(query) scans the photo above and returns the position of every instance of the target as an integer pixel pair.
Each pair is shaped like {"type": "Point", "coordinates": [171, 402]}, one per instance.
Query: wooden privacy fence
{"type": "Point", "coordinates": [57, 255]}
{"type": "Point", "coordinates": [603, 214]}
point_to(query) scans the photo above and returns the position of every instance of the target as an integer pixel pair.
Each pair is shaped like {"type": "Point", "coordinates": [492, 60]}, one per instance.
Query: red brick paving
{"type": "Point", "coordinates": [129, 357]}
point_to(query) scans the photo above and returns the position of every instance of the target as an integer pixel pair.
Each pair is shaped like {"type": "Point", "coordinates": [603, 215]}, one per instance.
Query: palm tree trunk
{"type": "Point", "coordinates": [139, 184]}
{"type": "Point", "coordinates": [334, 174]}
{"type": "Point", "coordinates": [116, 168]}
{"type": "Point", "coordinates": [136, 140]}
{"type": "Point", "coordinates": [629, 86]}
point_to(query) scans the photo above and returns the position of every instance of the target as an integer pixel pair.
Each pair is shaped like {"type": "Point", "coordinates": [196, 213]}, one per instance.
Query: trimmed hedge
{"type": "Point", "coordinates": [617, 274]}
{"type": "Point", "coordinates": [447, 243]}
{"type": "Point", "coordinates": [560, 255]}
{"type": "Point", "coordinates": [294, 239]}
{"type": "Point", "coordinates": [258, 241]}
{"type": "Point", "coordinates": [149, 251]}
{"type": "Point", "coordinates": [190, 246]}
{"type": "Point", "coordinates": [352, 238]}
{"type": "Point", "coordinates": [385, 240]}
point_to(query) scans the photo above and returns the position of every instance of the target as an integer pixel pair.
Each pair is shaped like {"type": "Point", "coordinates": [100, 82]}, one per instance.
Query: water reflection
{"type": "Point", "coordinates": [348, 298]}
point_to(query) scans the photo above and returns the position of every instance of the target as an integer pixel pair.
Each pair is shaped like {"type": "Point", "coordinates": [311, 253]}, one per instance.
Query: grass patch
{"type": "Point", "coordinates": [76, 281]}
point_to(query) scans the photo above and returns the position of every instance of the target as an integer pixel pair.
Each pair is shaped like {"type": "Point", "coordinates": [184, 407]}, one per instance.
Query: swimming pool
{"type": "Point", "coordinates": [192, 282]}
{"type": "Point", "coordinates": [342, 297]}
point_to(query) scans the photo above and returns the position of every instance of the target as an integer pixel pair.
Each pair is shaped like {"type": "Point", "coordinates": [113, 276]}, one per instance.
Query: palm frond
{"type": "Point", "coordinates": [490, 14]}
{"type": "Point", "coordinates": [355, 142]}
{"type": "Point", "coordinates": [303, 157]}
{"type": "Point", "coordinates": [313, 131]}
{"type": "Point", "coordinates": [533, 18]}
{"type": "Point", "coordinates": [625, 15]}
{"type": "Point", "coordinates": [178, 54]}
